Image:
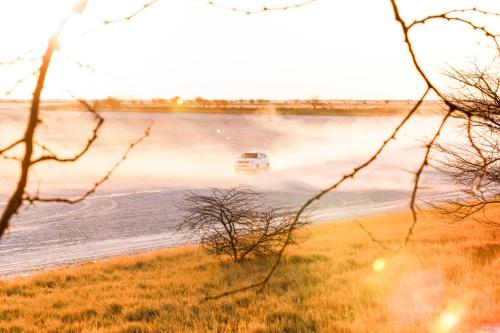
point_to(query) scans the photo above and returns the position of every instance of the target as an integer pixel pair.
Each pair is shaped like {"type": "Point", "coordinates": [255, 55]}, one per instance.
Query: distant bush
{"type": "Point", "coordinates": [235, 223]}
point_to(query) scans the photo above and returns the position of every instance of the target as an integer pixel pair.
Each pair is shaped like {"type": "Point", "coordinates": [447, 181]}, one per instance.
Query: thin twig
{"type": "Point", "coordinates": [94, 188]}
{"type": "Point", "coordinates": [53, 157]}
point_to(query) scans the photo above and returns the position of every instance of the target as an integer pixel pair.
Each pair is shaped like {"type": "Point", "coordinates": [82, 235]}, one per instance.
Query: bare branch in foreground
{"type": "Point", "coordinates": [19, 195]}
{"type": "Point", "coordinates": [121, 19]}
{"type": "Point", "coordinates": [20, 81]}
{"type": "Point", "coordinates": [318, 196]}
{"type": "Point", "coordinates": [51, 156]}
{"type": "Point", "coordinates": [373, 238]}
{"type": "Point", "coordinates": [78, 63]}
{"type": "Point", "coordinates": [473, 166]}
{"type": "Point", "coordinates": [19, 60]}
{"type": "Point", "coordinates": [93, 189]}
{"type": "Point", "coordinates": [454, 108]}
{"type": "Point", "coordinates": [418, 174]}
{"type": "Point", "coordinates": [430, 86]}
{"type": "Point", "coordinates": [263, 9]}
{"type": "Point", "coordinates": [11, 146]}
{"type": "Point", "coordinates": [447, 17]}
{"type": "Point", "coordinates": [16, 199]}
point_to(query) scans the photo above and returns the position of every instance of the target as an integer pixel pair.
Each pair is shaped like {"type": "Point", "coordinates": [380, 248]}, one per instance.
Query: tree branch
{"type": "Point", "coordinates": [93, 189]}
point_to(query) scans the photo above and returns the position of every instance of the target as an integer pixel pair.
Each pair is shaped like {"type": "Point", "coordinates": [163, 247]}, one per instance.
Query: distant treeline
{"type": "Point", "coordinates": [311, 106]}
{"type": "Point", "coordinates": [200, 102]}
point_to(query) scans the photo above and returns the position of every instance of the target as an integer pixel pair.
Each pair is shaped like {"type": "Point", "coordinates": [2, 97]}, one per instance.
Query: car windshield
{"type": "Point", "coordinates": [249, 155]}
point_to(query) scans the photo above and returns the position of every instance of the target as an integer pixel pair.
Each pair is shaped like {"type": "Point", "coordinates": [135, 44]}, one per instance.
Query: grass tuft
{"type": "Point", "coordinates": [486, 253]}
{"type": "Point", "coordinates": [142, 313]}
{"type": "Point", "coordinates": [77, 317]}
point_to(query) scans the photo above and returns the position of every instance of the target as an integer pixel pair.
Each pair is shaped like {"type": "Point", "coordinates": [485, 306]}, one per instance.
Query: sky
{"type": "Point", "coordinates": [334, 49]}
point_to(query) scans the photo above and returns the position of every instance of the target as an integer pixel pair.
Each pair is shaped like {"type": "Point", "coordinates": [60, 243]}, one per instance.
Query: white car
{"type": "Point", "coordinates": [252, 161]}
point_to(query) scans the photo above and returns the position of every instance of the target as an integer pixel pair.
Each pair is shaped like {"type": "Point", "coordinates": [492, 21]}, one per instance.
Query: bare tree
{"type": "Point", "coordinates": [475, 165]}
{"type": "Point", "coordinates": [234, 223]}
{"type": "Point", "coordinates": [160, 101]}
{"type": "Point", "coordinates": [110, 102]}
{"type": "Point", "coordinates": [314, 101]}
{"type": "Point", "coordinates": [201, 102]}
{"type": "Point", "coordinates": [221, 103]}
{"type": "Point", "coordinates": [174, 100]}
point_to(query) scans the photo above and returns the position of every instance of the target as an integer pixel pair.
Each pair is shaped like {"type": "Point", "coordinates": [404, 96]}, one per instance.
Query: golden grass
{"type": "Point", "coordinates": [447, 278]}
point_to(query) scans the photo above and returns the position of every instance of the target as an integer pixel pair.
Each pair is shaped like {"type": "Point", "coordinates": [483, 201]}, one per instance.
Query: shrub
{"type": "Point", "coordinates": [234, 222]}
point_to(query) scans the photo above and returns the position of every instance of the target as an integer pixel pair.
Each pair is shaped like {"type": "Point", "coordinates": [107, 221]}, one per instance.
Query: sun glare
{"type": "Point", "coordinates": [448, 320]}
{"type": "Point", "coordinates": [180, 101]}
{"type": "Point", "coordinates": [379, 265]}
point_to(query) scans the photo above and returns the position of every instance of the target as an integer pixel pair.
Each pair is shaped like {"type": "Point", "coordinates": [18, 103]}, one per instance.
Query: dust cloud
{"type": "Point", "coordinates": [135, 210]}
{"type": "Point", "coordinates": [199, 150]}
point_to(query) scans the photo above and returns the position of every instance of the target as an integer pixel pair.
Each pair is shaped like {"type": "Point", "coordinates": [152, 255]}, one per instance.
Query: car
{"type": "Point", "coordinates": [252, 161]}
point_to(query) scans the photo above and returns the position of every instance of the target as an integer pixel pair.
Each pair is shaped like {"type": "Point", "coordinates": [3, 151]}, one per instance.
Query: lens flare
{"type": "Point", "coordinates": [379, 265]}
{"type": "Point", "coordinates": [448, 319]}
{"type": "Point", "coordinates": [488, 329]}
{"type": "Point", "coordinates": [180, 101]}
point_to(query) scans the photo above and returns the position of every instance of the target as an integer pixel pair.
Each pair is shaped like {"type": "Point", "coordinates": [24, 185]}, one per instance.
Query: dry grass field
{"type": "Point", "coordinates": [446, 280]}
